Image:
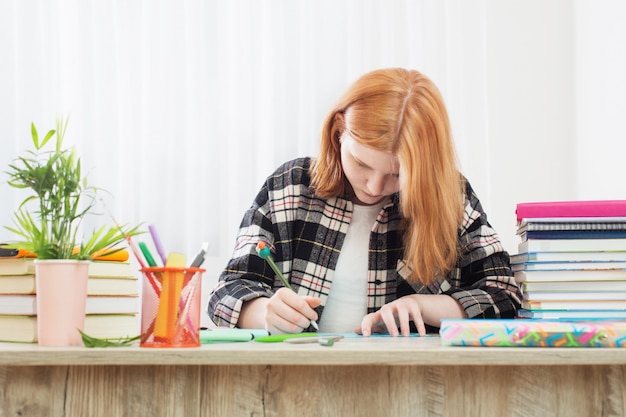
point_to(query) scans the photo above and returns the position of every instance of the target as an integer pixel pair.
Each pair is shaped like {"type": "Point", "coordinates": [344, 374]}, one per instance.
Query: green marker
{"type": "Point", "coordinates": [147, 254]}
{"type": "Point", "coordinates": [282, 337]}
{"type": "Point", "coordinates": [230, 335]}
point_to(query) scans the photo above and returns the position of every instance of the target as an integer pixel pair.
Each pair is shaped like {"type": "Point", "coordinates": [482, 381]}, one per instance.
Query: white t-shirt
{"type": "Point", "coordinates": [347, 301]}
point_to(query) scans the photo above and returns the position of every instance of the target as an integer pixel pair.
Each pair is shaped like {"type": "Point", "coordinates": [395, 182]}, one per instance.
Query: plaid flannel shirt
{"type": "Point", "coordinates": [306, 234]}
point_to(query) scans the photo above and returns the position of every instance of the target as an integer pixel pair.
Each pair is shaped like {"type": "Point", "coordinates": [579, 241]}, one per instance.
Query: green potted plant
{"type": "Point", "coordinates": [49, 224]}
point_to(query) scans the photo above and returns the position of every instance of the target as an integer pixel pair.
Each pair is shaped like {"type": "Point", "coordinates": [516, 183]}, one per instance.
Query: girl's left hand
{"type": "Point", "coordinates": [393, 316]}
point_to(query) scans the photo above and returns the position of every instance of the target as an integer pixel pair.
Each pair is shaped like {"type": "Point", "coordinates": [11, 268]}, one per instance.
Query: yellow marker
{"type": "Point", "coordinates": [175, 260]}
{"type": "Point", "coordinates": [169, 300]}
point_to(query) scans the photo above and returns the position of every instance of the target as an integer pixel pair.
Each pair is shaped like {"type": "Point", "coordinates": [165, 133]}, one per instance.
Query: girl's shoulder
{"type": "Point", "coordinates": [294, 172]}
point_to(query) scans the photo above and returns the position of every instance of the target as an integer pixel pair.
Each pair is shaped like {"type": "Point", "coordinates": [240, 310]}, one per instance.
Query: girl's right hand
{"type": "Point", "coordinates": [288, 312]}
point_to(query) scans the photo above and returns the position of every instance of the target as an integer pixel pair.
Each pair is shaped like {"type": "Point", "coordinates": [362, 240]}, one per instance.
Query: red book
{"type": "Point", "coordinates": [584, 208]}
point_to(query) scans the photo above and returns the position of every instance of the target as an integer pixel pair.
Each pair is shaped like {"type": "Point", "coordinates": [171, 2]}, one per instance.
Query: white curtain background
{"type": "Point", "coordinates": [179, 109]}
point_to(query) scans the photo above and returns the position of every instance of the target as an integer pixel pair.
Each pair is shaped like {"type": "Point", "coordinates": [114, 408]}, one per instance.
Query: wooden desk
{"type": "Point", "coordinates": [356, 377]}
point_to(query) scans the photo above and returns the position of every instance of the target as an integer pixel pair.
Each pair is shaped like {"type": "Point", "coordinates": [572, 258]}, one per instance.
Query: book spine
{"type": "Point", "coordinates": [589, 208]}
{"type": "Point", "coordinates": [572, 245]}
{"type": "Point", "coordinates": [531, 226]}
{"type": "Point", "coordinates": [573, 234]}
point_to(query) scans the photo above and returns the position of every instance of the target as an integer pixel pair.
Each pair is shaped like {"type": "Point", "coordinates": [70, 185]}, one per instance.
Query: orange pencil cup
{"type": "Point", "coordinates": [170, 307]}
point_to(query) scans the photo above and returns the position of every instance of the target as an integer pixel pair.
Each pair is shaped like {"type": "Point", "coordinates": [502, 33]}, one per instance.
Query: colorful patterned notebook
{"type": "Point", "coordinates": [532, 333]}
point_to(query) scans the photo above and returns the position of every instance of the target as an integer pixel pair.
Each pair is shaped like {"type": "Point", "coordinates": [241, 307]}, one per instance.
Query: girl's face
{"type": "Point", "coordinates": [373, 174]}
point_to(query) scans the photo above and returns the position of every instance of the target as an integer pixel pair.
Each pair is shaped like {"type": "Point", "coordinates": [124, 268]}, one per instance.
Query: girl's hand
{"type": "Point", "coordinates": [288, 312]}
{"type": "Point", "coordinates": [393, 316]}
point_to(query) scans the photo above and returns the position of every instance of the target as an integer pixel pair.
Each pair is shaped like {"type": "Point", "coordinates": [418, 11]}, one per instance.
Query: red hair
{"type": "Point", "coordinates": [401, 111]}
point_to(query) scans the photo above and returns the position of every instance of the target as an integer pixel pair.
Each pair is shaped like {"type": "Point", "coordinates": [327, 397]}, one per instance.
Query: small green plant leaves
{"type": "Point", "coordinates": [92, 342]}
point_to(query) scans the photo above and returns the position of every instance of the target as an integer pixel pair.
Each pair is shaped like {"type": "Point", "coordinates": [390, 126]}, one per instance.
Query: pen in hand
{"type": "Point", "coordinates": [264, 252]}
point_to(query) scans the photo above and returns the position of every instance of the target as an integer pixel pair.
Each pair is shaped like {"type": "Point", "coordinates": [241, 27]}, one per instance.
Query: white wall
{"type": "Point", "coordinates": [557, 101]}
{"type": "Point", "coordinates": [600, 88]}
{"type": "Point", "coordinates": [531, 108]}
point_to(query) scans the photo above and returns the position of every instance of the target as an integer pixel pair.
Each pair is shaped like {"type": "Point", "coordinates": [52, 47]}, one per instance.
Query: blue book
{"type": "Point", "coordinates": [573, 234]}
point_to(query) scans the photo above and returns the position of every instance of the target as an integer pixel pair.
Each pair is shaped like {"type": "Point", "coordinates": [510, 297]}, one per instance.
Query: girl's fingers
{"type": "Point", "coordinates": [288, 312]}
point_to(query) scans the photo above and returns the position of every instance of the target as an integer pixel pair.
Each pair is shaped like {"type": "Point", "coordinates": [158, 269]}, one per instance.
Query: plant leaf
{"type": "Point", "coordinates": [47, 138]}
{"type": "Point", "coordinates": [33, 133]}
{"type": "Point", "coordinates": [92, 342]}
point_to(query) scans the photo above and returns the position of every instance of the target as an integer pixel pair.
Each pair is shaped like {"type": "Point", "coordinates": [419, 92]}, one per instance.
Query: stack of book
{"type": "Point", "coordinates": [571, 260]}
{"type": "Point", "coordinates": [112, 309]}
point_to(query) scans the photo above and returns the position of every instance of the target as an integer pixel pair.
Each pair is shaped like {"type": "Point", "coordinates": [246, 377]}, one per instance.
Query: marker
{"type": "Point", "coordinates": [167, 311]}
{"type": "Point", "coordinates": [147, 254]}
{"type": "Point", "coordinates": [273, 338]}
{"type": "Point", "coordinates": [264, 252]}
{"type": "Point", "coordinates": [328, 340]}
{"type": "Point", "coordinates": [157, 243]}
{"type": "Point", "coordinates": [230, 335]}
{"type": "Point", "coordinates": [199, 259]}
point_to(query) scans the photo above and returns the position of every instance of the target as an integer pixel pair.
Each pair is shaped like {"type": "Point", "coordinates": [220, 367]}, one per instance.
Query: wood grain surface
{"type": "Point", "coordinates": [190, 382]}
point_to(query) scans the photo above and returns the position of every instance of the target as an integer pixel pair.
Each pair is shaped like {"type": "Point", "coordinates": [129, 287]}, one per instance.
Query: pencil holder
{"type": "Point", "coordinates": [170, 307]}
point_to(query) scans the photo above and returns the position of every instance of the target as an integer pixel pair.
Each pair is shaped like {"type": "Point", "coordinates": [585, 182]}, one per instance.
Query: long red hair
{"type": "Point", "coordinates": [401, 111]}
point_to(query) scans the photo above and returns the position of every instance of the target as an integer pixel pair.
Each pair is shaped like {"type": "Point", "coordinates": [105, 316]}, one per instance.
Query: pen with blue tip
{"type": "Point", "coordinates": [264, 252]}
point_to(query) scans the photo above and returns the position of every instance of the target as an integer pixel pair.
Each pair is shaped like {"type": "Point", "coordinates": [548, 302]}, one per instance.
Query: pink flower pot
{"type": "Point", "coordinates": [61, 299]}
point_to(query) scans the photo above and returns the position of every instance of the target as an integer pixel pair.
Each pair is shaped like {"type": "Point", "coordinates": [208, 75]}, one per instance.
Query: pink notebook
{"type": "Point", "coordinates": [583, 208]}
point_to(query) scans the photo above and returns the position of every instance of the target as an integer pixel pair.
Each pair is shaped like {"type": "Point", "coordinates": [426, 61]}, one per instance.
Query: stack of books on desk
{"type": "Point", "coordinates": [112, 309]}
{"type": "Point", "coordinates": [571, 260]}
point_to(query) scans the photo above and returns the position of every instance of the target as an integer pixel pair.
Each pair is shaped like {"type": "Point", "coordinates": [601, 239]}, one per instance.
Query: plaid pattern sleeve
{"type": "Point", "coordinates": [482, 281]}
